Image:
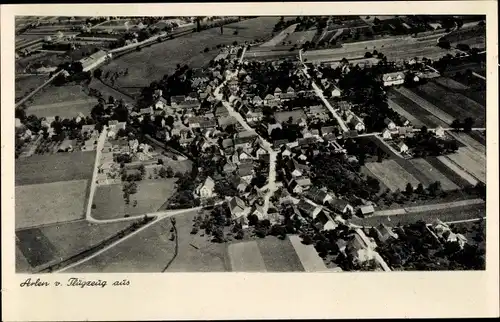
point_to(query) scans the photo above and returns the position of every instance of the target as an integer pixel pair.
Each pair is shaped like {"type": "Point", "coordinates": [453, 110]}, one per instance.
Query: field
{"type": "Point", "coordinates": [40, 246]}
{"type": "Point", "coordinates": [150, 197]}
{"type": "Point", "coordinates": [459, 171]}
{"type": "Point", "coordinates": [54, 167]}
{"type": "Point", "coordinates": [475, 35]}
{"type": "Point", "coordinates": [450, 214]}
{"type": "Point", "coordinates": [279, 255]}
{"type": "Point", "coordinates": [471, 161]}
{"type": "Point", "coordinates": [26, 84]}
{"type": "Point", "coordinates": [450, 83]}
{"type": "Point", "coordinates": [59, 94]}
{"type": "Point", "coordinates": [472, 139]}
{"type": "Point", "coordinates": [392, 174]}
{"type": "Point", "coordinates": [432, 175]}
{"type": "Point", "coordinates": [108, 91]}
{"type": "Point", "coordinates": [48, 203]}
{"type": "Point", "coordinates": [415, 96]}
{"type": "Point", "coordinates": [423, 116]}
{"type": "Point", "coordinates": [394, 48]}
{"type": "Point", "coordinates": [308, 255]}
{"type": "Point", "coordinates": [147, 251]}
{"type": "Point", "coordinates": [454, 104]}
{"type": "Point", "coordinates": [246, 257]}
{"type": "Point", "coordinates": [300, 37]}
{"type": "Point", "coordinates": [396, 107]}
{"type": "Point", "coordinates": [67, 109]}
{"type": "Point", "coordinates": [151, 250]}
{"type": "Point", "coordinates": [152, 63]}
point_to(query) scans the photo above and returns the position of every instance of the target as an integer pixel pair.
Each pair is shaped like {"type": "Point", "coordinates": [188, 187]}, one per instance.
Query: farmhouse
{"type": "Point", "coordinates": [205, 189]}
{"type": "Point", "coordinates": [341, 206]}
{"type": "Point", "coordinates": [160, 104]}
{"type": "Point", "coordinates": [319, 196]}
{"type": "Point", "coordinates": [94, 60]}
{"type": "Point", "coordinates": [383, 233]}
{"type": "Point", "coordinates": [237, 207]}
{"type": "Point", "coordinates": [389, 123]}
{"type": "Point", "coordinates": [308, 209]}
{"type": "Point", "coordinates": [391, 79]}
{"type": "Point", "coordinates": [386, 134]}
{"type": "Point", "coordinates": [402, 147]}
{"type": "Point", "coordinates": [366, 210]}
{"type": "Point", "coordinates": [439, 132]}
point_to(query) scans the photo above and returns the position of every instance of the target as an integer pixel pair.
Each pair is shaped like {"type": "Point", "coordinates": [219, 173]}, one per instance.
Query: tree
{"type": "Point", "coordinates": [368, 54]}
{"type": "Point", "coordinates": [456, 124]}
{"type": "Point", "coordinates": [253, 220]}
{"type": "Point", "coordinates": [444, 44]}
{"type": "Point", "coordinates": [420, 189]}
{"type": "Point", "coordinates": [468, 123]}
{"type": "Point", "coordinates": [409, 189]}
{"type": "Point", "coordinates": [98, 73]}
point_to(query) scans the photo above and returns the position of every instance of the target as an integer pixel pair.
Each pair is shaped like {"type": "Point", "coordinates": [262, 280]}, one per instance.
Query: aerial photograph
{"type": "Point", "coordinates": [147, 144]}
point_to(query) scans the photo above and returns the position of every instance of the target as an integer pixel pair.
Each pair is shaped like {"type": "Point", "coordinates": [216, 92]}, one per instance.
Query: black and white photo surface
{"type": "Point", "coordinates": [250, 144]}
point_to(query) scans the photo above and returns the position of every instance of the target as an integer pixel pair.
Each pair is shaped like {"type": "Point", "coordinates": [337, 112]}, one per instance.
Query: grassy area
{"type": "Point", "coordinates": [26, 84]}
{"type": "Point", "coordinates": [58, 94]}
{"type": "Point", "coordinates": [432, 175]}
{"type": "Point", "coordinates": [468, 159]}
{"type": "Point", "coordinates": [392, 174]}
{"type": "Point", "coordinates": [246, 257]}
{"type": "Point", "coordinates": [455, 104]}
{"type": "Point", "coordinates": [279, 255]}
{"type": "Point", "coordinates": [300, 37]}
{"type": "Point", "coordinates": [38, 247]}
{"type": "Point", "coordinates": [150, 196]}
{"type": "Point", "coordinates": [475, 92]}
{"type": "Point", "coordinates": [67, 109]}
{"type": "Point", "coordinates": [196, 253]}
{"type": "Point", "coordinates": [447, 172]}
{"type": "Point", "coordinates": [451, 214]}
{"type": "Point", "coordinates": [49, 203]}
{"type": "Point", "coordinates": [152, 63]}
{"type": "Point", "coordinates": [414, 109]}
{"type": "Point", "coordinates": [54, 167]}
{"type": "Point", "coordinates": [148, 251]}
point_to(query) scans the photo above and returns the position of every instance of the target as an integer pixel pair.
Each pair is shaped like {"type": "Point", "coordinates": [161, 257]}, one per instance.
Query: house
{"type": "Point", "coordinates": [206, 189]}
{"type": "Point", "coordinates": [336, 92]}
{"type": "Point", "coordinates": [146, 111]}
{"type": "Point", "coordinates": [344, 106]}
{"type": "Point", "coordinates": [296, 169]}
{"type": "Point", "coordinates": [295, 116]}
{"type": "Point", "coordinates": [341, 206]}
{"type": "Point", "coordinates": [244, 142]}
{"type": "Point", "coordinates": [439, 132]}
{"type": "Point", "coordinates": [294, 187]}
{"type": "Point", "coordinates": [444, 232]}
{"type": "Point", "coordinates": [208, 123]}
{"type": "Point", "coordinates": [305, 183]}
{"type": "Point", "coordinates": [257, 100]}
{"type": "Point", "coordinates": [269, 99]}
{"type": "Point", "coordinates": [402, 147]}
{"type": "Point", "coordinates": [384, 233]}
{"type": "Point", "coordinates": [386, 134]}
{"type": "Point", "coordinates": [404, 131]}
{"type": "Point", "coordinates": [324, 222]}
{"type": "Point", "coordinates": [66, 146]}
{"type": "Point", "coordinates": [327, 130]}
{"type": "Point", "coordinates": [277, 92]}
{"type": "Point", "coordinates": [357, 249]}
{"type": "Point", "coordinates": [160, 104]}
{"type": "Point", "coordinates": [357, 123]}
{"type": "Point", "coordinates": [227, 143]}
{"type": "Point", "coordinates": [395, 78]}
{"type": "Point", "coordinates": [390, 124]}
{"type": "Point", "coordinates": [229, 167]}
{"type": "Point", "coordinates": [177, 99]}
{"type": "Point", "coordinates": [278, 143]}
{"type": "Point", "coordinates": [366, 210]}
{"type": "Point", "coordinates": [220, 110]}
{"type": "Point", "coordinates": [308, 209]}
{"type": "Point", "coordinates": [259, 151]}
{"type": "Point", "coordinates": [271, 127]}
{"type": "Point", "coordinates": [319, 196]}
{"type": "Point", "coordinates": [245, 172]}
{"type": "Point", "coordinates": [237, 207]}
{"type": "Point", "coordinates": [88, 129]}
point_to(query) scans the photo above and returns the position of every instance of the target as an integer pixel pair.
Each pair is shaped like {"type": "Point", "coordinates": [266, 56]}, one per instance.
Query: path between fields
{"type": "Point", "coordinates": [422, 208]}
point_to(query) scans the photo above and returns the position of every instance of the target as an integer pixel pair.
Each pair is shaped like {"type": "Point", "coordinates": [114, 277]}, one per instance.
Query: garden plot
{"type": "Point", "coordinates": [392, 175]}
{"type": "Point", "coordinates": [433, 175]}
{"type": "Point", "coordinates": [470, 161]}
{"type": "Point", "coordinates": [279, 255]}
{"type": "Point", "coordinates": [150, 196]}
{"type": "Point", "coordinates": [48, 203]}
{"type": "Point", "coordinates": [413, 120]}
